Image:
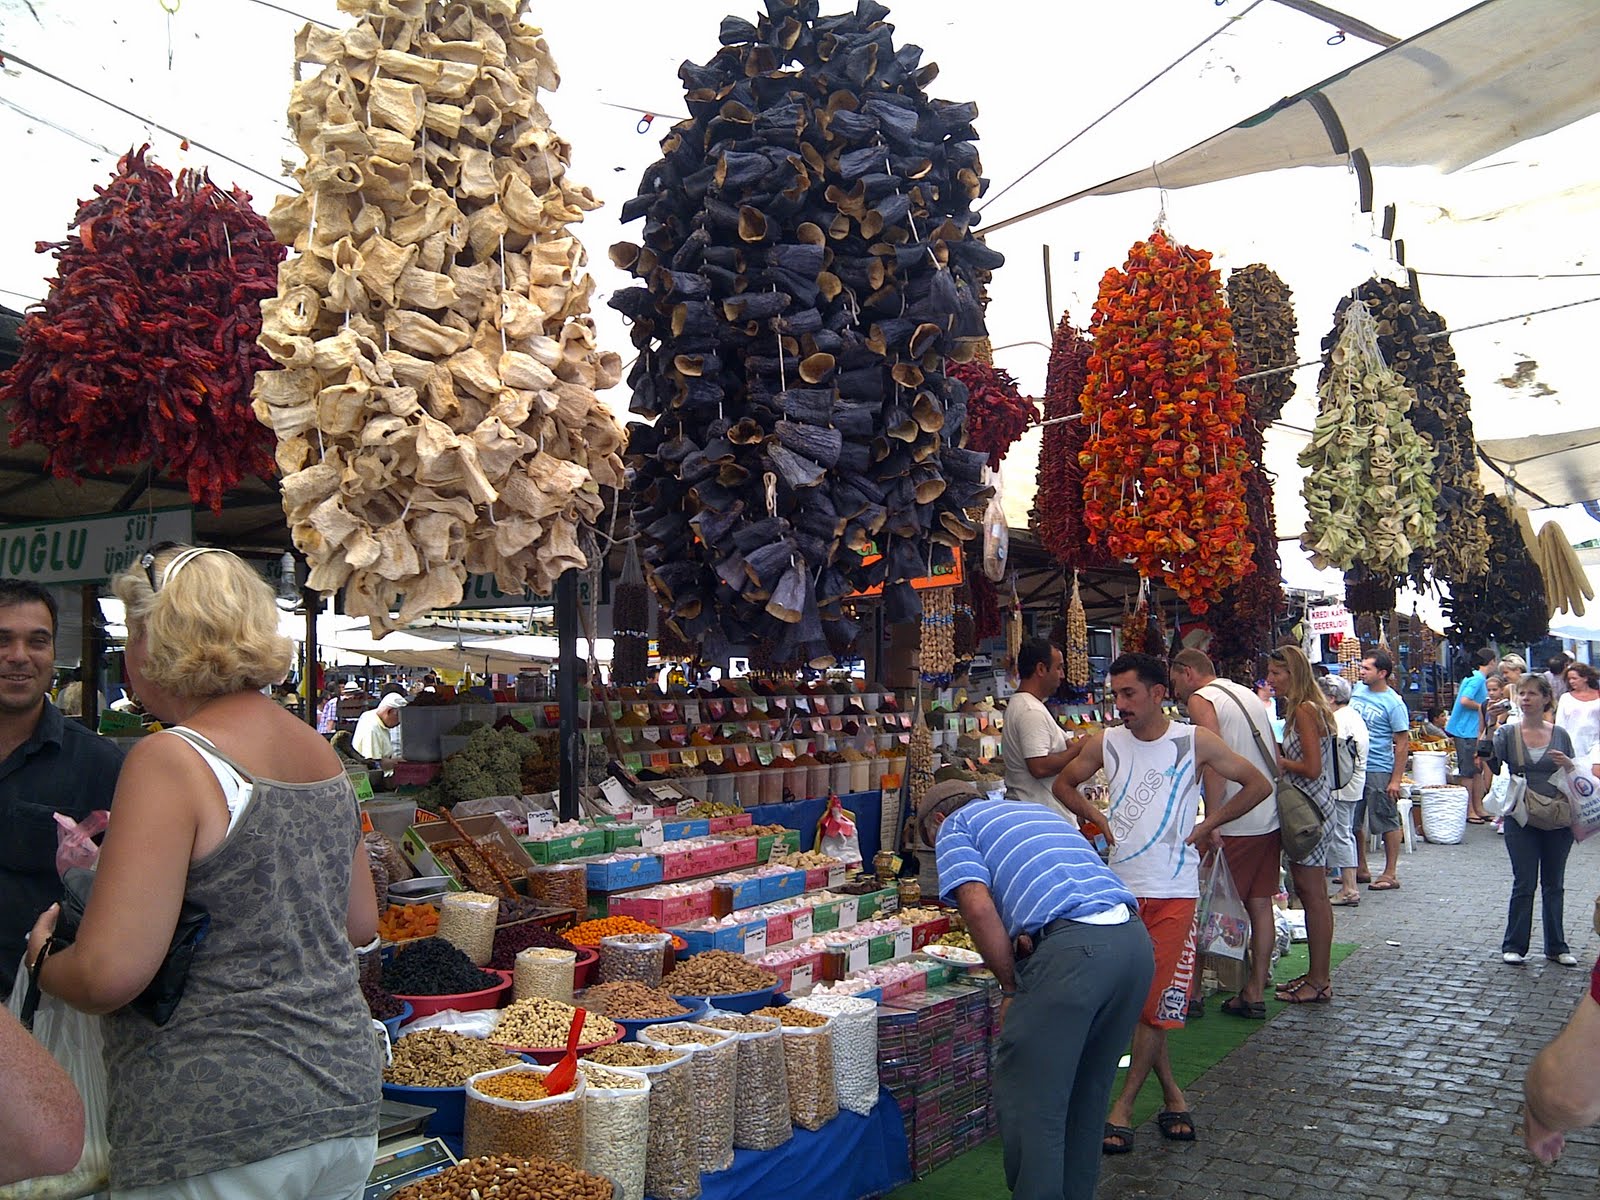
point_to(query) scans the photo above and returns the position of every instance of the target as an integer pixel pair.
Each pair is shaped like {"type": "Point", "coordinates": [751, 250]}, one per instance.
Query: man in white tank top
{"type": "Point", "coordinates": [1251, 844]}
{"type": "Point", "coordinates": [1153, 768]}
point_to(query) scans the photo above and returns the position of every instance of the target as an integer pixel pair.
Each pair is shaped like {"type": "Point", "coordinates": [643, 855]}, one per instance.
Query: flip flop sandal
{"type": "Point", "coordinates": [1384, 885]}
{"type": "Point", "coordinates": [1345, 901]}
{"type": "Point", "coordinates": [1250, 1010]}
{"type": "Point", "coordinates": [1176, 1126]}
{"type": "Point", "coordinates": [1123, 1143]}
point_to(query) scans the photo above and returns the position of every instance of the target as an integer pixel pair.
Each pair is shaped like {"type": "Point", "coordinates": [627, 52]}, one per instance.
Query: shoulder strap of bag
{"type": "Point", "coordinates": [209, 750]}
{"type": "Point", "coordinates": [1267, 756]}
{"type": "Point", "coordinates": [1516, 750]}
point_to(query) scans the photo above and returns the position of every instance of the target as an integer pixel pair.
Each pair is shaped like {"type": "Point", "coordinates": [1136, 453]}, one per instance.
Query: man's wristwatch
{"type": "Point", "coordinates": [1007, 994]}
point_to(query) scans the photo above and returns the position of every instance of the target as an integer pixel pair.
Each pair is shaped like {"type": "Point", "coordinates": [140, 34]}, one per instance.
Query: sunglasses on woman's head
{"type": "Point", "coordinates": [148, 562]}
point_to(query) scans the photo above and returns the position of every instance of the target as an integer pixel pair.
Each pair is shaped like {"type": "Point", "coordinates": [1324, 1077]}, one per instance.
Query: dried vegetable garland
{"type": "Point", "coordinates": [1166, 464]}
{"type": "Point", "coordinates": [938, 636]}
{"type": "Point", "coordinates": [1143, 628]}
{"type": "Point", "coordinates": [1566, 583]}
{"type": "Point", "coordinates": [1243, 622]}
{"type": "Point", "coordinates": [1370, 591]}
{"type": "Point", "coordinates": [1013, 621]}
{"type": "Point", "coordinates": [144, 348]}
{"type": "Point", "coordinates": [1412, 340]}
{"type": "Point", "coordinates": [1077, 645]}
{"type": "Point", "coordinates": [1058, 499]}
{"type": "Point", "coordinates": [1264, 331]}
{"type": "Point", "coordinates": [808, 268]}
{"type": "Point", "coordinates": [435, 407]}
{"type": "Point", "coordinates": [1369, 492]}
{"type": "Point", "coordinates": [1423, 641]}
{"type": "Point", "coordinates": [985, 607]}
{"type": "Point", "coordinates": [1506, 604]}
{"type": "Point", "coordinates": [919, 762]}
{"type": "Point", "coordinates": [1349, 656]}
{"type": "Point", "coordinates": [997, 411]}
{"type": "Point", "coordinates": [630, 621]}
{"type": "Point", "coordinates": [965, 635]}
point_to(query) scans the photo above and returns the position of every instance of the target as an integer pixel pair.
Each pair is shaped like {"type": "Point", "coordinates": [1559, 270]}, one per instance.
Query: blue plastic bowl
{"type": "Point", "coordinates": [739, 1002]}
{"type": "Point", "coordinates": [392, 1024]}
{"type": "Point", "coordinates": [695, 1004]}
{"type": "Point", "coordinates": [449, 1105]}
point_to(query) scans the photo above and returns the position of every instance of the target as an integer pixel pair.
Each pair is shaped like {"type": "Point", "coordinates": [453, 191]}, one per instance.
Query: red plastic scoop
{"type": "Point", "coordinates": [561, 1076]}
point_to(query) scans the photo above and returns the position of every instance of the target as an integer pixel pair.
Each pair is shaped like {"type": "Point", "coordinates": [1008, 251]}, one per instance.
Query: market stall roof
{"type": "Point", "coordinates": [1499, 73]}
{"type": "Point", "coordinates": [1555, 469]}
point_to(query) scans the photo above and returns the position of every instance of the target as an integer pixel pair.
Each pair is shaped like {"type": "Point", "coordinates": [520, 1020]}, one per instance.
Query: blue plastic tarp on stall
{"type": "Point", "coordinates": [849, 1158]}
{"type": "Point", "coordinates": [866, 807]}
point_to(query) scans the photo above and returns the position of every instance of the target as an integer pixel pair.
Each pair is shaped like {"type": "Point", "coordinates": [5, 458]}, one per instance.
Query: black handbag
{"type": "Point", "coordinates": [160, 999]}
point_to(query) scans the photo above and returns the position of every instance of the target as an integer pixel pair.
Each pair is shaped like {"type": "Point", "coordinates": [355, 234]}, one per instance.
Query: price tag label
{"type": "Point", "coordinates": [552, 715]}
{"type": "Point", "coordinates": [644, 812]}
{"type": "Point", "coordinates": [765, 755]}
{"type": "Point", "coordinates": [836, 724]}
{"type": "Point", "coordinates": [835, 878]}
{"type": "Point", "coordinates": [742, 755]}
{"type": "Point", "coordinates": [651, 835]}
{"type": "Point", "coordinates": [849, 912]}
{"type": "Point", "coordinates": [690, 758]}
{"type": "Point", "coordinates": [780, 704]}
{"type": "Point", "coordinates": [890, 904]}
{"type": "Point", "coordinates": [684, 806]}
{"type": "Point", "coordinates": [741, 708]}
{"type": "Point", "coordinates": [856, 959]}
{"type": "Point", "coordinates": [755, 939]}
{"type": "Point", "coordinates": [804, 976]}
{"type": "Point", "coordinates": [756, 729]}
{"type": "Point", "coordinates": [804, 925]}
{"type": "Point", "coordinates": [902, 943]}
{"type": "Point", "coordinates": [660, 760]}
{"type": "Point", "coordinates": [714, 754]}
{"type": "Point", "coordinates": [691, 712]}
{"type": "Point", "coordinates": [759, 704]}
{"type": "Point", "coordinates": [802, 704]}
{"type": "Point", "coordinates": [634, 762]}
{"type": "Point", "coordinates": [363, 785]}
{"type": "Point", "coordinates": [540, 821]}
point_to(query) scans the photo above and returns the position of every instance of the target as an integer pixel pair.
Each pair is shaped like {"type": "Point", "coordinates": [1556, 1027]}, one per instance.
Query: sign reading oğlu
{"type": "Point", "coordinates": [1333, 619]}
{"type": "Point", "coordinates": [88, 549]}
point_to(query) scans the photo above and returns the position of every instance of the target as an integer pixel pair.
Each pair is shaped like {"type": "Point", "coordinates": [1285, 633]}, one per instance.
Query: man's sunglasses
{"type": "Point", "coordinates": [148, 562]}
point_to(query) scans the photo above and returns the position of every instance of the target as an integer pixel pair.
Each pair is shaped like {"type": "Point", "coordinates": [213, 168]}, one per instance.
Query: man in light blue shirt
{"type": "Point", "coordinates": [1388, 747]}
{"type": "Point", "coordinates": [1057, 928]}
{"type": "Point", "coordinates": [1466, 726]}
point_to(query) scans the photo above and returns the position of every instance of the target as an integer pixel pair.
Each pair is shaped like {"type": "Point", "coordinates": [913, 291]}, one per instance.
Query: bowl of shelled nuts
{"type": "Point", "coordinates": [537, 1028]}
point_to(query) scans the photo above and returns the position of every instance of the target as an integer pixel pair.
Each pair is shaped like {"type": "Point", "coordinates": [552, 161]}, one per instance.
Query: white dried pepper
{"type": "Point", "coordinates": [435, 402]}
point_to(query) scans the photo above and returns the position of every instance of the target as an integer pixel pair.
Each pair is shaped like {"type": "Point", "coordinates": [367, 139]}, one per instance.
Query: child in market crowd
{"type": "Point", "coordinates": [265, 1079]}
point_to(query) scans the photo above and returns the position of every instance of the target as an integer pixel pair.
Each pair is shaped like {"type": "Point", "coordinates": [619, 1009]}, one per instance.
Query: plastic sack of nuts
{"type": "Point", "coordinates": [715, 1060]}
{"type": "Point", "coordinates": [855, 1048]}
{"type": "Point", "coordinates": [635, 957]}
{"type": "Point", "coordinates": [544, 972]}
{"type": "Point", "coordinates": [672, 1166]}
{"type": "Point", "coordinates": [560, 885]}
{"type": "Point", "coordinates": [466, 921]}
{"type": "Point", "coordinates": [808, 1064]}
{"type": "Point", "coordinates": [761, 1096]}
{"type": "Point", "coordinates": [509, 1112]}
{"type": "Point", "coordinates": [616, 1126]}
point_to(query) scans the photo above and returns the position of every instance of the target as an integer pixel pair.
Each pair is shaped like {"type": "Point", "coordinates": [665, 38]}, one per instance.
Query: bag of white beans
{"type": "Point", "coordinates": [855, 1047]}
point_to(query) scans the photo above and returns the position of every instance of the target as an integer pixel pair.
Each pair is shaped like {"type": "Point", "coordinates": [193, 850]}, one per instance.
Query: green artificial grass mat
{"type": "Point", "coordinates": [1194, 1049]}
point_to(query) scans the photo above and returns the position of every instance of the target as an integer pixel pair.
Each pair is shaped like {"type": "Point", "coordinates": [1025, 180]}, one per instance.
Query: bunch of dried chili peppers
{"type": "Point", "coordinates": [1166, 465]}
{"type": "Point", "coordinates": [997, 411]}
{"type": "Point", "coordinates": [1058, 503]}
{"type": "Point", "coordinates": [144, 350]}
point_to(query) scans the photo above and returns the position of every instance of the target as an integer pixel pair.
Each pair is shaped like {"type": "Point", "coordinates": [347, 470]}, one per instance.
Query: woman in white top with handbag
{"type": "Point", "coordinates": [1578, 711]}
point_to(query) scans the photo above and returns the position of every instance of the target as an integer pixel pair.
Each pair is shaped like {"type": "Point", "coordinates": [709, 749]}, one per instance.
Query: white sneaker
{"type": "Point", "coordinates": [1566, 960]}
{"type": "Point", "coordinates": [1512, 957]}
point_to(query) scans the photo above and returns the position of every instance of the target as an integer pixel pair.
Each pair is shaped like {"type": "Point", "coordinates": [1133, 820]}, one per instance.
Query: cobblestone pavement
{"type": "Point", "coordinates": [1406, 1087]}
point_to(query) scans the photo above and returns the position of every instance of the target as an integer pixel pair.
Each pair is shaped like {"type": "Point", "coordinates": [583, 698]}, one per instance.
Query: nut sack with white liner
{"type": "Point", "coordinates": [435, 399]}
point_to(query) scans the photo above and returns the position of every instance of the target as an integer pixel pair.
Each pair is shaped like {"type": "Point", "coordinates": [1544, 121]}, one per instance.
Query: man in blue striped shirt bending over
{"type": "Point", "coordinates": [1057, 928]}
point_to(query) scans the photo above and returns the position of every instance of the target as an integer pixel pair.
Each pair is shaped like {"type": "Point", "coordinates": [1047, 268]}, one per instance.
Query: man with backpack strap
{"type": "Point", "coordinates": [1250, 844]}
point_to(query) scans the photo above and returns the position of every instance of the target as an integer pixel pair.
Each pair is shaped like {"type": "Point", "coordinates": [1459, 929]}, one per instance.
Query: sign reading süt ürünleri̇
{"type": "Point", "coordinates": [88, 549]}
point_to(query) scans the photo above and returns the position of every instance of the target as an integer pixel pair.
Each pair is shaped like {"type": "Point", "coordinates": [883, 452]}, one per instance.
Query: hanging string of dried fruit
{"type": "Point", "coordinates": [919, 761]}
{"type": "Point", "coordinates": [435, 408]}
{"type": "Point", "coordinates": [1166, 463]}
{"type": "Point", "coordinates": [1349, 654]}
{"type": "Point", "coordinates": [1264, 332]}
{"type": "Point", "coordinates": [144, 348]}
{"type": "Point", "coordinates": [1076, 651]}
{"type": "Point", "coordinates": [808, 268]}
{"type": "Point", "coordinates": [1013, 625]}
{"type": "Point", "coordinates": [1058, 500]}
{"type": "Point", "coordinates": [669, 642]}
{"type": "Point", "coordinates": [997, 411]}
{"type": "Point", "coordinates": [938, 636]}
{"type": "Point", "coordinates": [1243, 622]}
{"type": "Point", "coordinates": [1412, 340]}
{"type": "Point", "coordinates": [630, 655]}
{"type": "Point", "coordinates": [1369, 492]}
{"type": "Point", "coordinates": [985, 607]}
{"type": "Point", "coordinates": [1424, 642]}
{"type": "Point", "coordinates": [1368, 591]}
{"type": "Point", "coordinates": [1505, 604]}
{"type": "Point", "coordinates": [1136, 625]}
{"type": "Point", "coordinates": [964, 634]}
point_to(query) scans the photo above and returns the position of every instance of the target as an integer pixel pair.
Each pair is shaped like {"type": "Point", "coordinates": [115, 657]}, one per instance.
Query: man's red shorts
{"type": "Point", "coordinates": [1170, 923]}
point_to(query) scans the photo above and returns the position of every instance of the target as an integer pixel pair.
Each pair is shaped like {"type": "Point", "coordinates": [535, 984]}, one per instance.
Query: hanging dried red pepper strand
{"type": "Point", "coordinates": [997, 412]}
{"type": "Point", "coordinates": [1058, 502]}
{"type": "Point", "coordinates": [144, 349]}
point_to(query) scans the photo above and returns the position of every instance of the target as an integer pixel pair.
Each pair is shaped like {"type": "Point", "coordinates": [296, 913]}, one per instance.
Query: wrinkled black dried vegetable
{"type": "Point", "coordinates": [807, 270]}
{"type": "Point", "coordinates": [1505, 604]}
{"type": "Point", "coordinates": [1264, 331]}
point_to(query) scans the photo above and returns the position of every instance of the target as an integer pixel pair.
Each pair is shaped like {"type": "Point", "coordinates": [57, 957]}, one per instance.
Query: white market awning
{"type": "Point", "coordinates": [1555, 469]}
{"type": "Point", "coordinates": [1500, 73]}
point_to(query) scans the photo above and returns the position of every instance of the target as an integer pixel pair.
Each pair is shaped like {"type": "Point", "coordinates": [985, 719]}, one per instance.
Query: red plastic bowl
{"type": "Point", "coordinates": [550, 1055]}
{"type": "Point", "coordinates": [583, 968]}
{"type": "Point", "coordinates": [494, 997]}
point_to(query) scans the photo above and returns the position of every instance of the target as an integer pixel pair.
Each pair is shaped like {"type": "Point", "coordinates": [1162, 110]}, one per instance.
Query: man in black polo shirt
{"type": "Point", "coordinates": [47, 765]}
